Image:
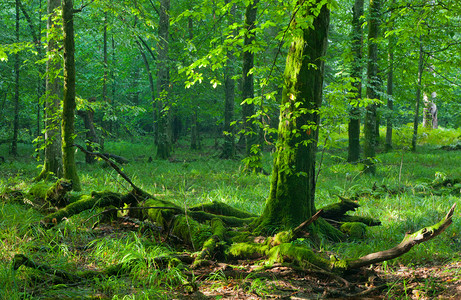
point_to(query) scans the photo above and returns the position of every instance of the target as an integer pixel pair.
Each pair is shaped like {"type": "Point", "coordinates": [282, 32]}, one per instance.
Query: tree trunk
{"type": "Point", "coordinates": [253, 151]}
{"type": "Point", "coordinates": [14, 143]}
{"type": "Point", "coordinates": [418, 96]}
{"type": "Point", "coordinates": [104, 79]}
{"type": "Point", "coordinates": [292, 193]}
{"type": "Point", "coordinates": [68, 107]}
{"type": "Point", "coordinates": [53, 153]}
{"type": "Point", "coordinates": [390, 92]}
{"type": "Point", "coordinates": [195, 138]}
{"type": "Point", "coordinates": [228, 150]}
{"type": "Point", "coordinates": [164, 127]}
{"type": "Point", "coordinates": [356, 72]}
{"type": "Point", "coordinates": [372, 88]}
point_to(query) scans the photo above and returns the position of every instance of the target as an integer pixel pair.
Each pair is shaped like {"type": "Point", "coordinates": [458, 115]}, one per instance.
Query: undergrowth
{"type": "Point", "coordinates": [402, 195]}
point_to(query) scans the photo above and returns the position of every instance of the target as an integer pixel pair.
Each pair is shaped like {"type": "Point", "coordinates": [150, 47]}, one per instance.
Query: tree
{"type": "Point", "coordinates": [418, 95]}
{"type": "Point", "coordinates": [164, 141]}
{"type": "Point", "coordinates": [229, 86]}
{"type": "Point", "coordinates": [53, 153]}
{"type": "Point", "coordinates": [356, 73]}
{"type": "Point", "coordinates": [372, 86]}
{"type": "Point", "coordinates": [252, 145]}
{"type": "Point", "coordinates": [292, 192]}
{"type": "Point", "coordinates": [68, 106]}
{"type": "Point", "coordinates": [14, 141]}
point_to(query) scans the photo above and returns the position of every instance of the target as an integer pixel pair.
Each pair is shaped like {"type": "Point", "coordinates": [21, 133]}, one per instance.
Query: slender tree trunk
{"type": "Point", "coordinates": [228, 150]}
{"type": "Point", "coordinates": [372, 88]}
{"type": "Point", "coordinates": [14, 143]}
{"type": "Point", "coordinates": [53, 151]}
{"type": "Point", "coordinates": [164, 128]}
{"type": "Point", "coordinates": [356, 72]}
{"type": "Point", "coordinates": [253, 151]}
{"type": "Point", "coordinates": [418, 96]}
{"type": "Point", "coordinates": [68, 107]}
{"type": "Point", "coordinates": [390, 92]}
{"type": "Point", "coordinates": [104, 79]}
{"type": "Point", "coordinates": [292, 193]}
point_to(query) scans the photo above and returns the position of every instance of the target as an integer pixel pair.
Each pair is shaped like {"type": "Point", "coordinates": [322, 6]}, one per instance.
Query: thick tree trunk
{"type": "Point", "coordinates": [252, 145]}
{"type": "Point", "coordinates": [418, 96]}
{"type": "Point", "coordinates": [291, 199]}
{"type": "Point", "coordinates": [68, 107]}
{"type": "Point", "coordinates": [369, 150]}
{"type": "Point", "coordinates": [356, 72]}
{"type": "Point", "coordinates": [164, 145]}
{"type": "Point", "coordinates": [14, 143]}
{"type": "Point", "coordinates": [53, 152]}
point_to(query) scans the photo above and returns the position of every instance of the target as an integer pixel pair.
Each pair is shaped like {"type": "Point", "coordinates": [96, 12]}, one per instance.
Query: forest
{"type": "Point", "coordinates": [230, 149]}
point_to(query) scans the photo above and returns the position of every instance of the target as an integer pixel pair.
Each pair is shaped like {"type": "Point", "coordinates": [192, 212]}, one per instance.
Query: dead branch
{"type": "Point", "coordinates": [408, 242]}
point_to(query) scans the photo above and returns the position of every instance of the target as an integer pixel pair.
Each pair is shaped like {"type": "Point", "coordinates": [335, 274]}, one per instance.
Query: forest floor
{"type": "Point", "coordinates": [409, 192]}
{"type": "Point", "coordinates": [247, 279]}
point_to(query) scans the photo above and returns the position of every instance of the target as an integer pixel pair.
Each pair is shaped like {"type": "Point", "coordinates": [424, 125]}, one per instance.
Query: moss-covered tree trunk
{"type": "Point", "coordinates": [68, 107]}
{"type": "Point", "coordinates": [253, 151]}
{"type": "Point", "coordinates": [356, 72]}
{"type": "Point", "coordinates": [291, 199]}
{"type": "Point", "coordinates": [369, 149]}
{"type": "Point", "coordinates": [164, 142]}
{"type": "Point", "coordinates": [53, 154]}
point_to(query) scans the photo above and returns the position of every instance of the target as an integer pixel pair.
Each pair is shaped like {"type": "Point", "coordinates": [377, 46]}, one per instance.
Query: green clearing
{"type": "Point", "coordinates": [404, 196]}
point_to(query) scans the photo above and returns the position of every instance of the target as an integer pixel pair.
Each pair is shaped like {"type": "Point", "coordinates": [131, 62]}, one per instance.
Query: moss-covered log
{"type": "Point", "coordinates": [95, 200]}
{"type": "Point", "coordinates": [54, 195]}
{"type": "Point", "coordinates": [209, 247]}
{"type": "Point", "coordinates": [220, 208]}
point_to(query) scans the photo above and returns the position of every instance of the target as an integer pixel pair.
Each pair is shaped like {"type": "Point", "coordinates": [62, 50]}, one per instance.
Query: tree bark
{"type": "Point", "coordinates": [372, 88]}
{"type": "Point", "coordinates": [53, 154]}
{"type": "Point", "coordinates": [228, 150]}
{"type": "Point", "coordinates": [252, 145]}
{"type": "Point", "coordinates": [292, 193]}
{"type": "Point", "coordinates": [164, 143]}
{"type": "Point", "coordinates": [356, 73]}
{"type": "Point", "coordinates": [68, 107]}
{"type": "Point", "coordinates": [418, 96]}
{"type": "Point", "coordinates": [390, 92]}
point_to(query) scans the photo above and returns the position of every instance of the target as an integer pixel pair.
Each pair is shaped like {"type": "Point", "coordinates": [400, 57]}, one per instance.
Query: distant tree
{"type": "Point", "coordinates": [373, 85]}
{"type": "Point", "coordinates": [68, 107]}
{"type": "Point", "coordinates": [356, 73]}
{"type": "Point", "coordinates": [14, 142]}
{"type": "Point", "coordinates": [252, 143]}
{"type": "Point", "coordinates": [421, 65]}
{"type": "Point", "coordinates": [164, 143]}
{"type": "Point", "coordinates": [292, 192]}
{"type": "Point", "coordinates": [228, 150]}
{"type": "Point", "coordinates": [53, 152]}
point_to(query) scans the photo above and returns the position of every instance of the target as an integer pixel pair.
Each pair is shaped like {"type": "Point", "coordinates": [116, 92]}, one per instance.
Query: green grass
{"type": "Point", "coordinates": [199, 176]}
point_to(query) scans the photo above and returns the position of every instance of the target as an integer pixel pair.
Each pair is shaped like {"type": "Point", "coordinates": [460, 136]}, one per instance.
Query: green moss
{"type": "Point", "coordinates": [355, 230]}
{"type": "Point", "coordinates": [245, 250]}
{"type": "Point", "coordinates": [299, 255]}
